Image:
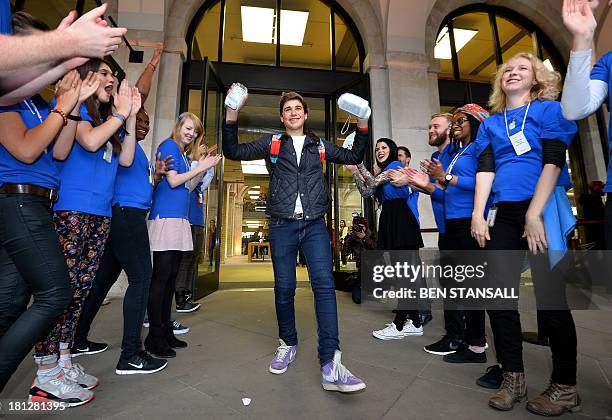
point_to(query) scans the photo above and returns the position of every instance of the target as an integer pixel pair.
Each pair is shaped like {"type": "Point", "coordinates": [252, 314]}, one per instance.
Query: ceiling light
{"type": "Point", "coordinates": [260, 208]}
{"type": "Point", "coordinates": [259, 23]}
{"type": "Point", "coordinates": [253, 226]}
{"type": "Point", "coordinates": [253, 192]}
{"type": "Point", "coordinates": [251, 222]}
{"type": "Point", "coordinates": [254, 167]}
{"type": "Point", "coordinates": [293, 27]}
{"type": "Point", "coordinates": [442, 50]}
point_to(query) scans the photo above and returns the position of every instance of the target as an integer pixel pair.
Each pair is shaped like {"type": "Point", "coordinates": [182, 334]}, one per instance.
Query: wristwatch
{"type": "Point", "coordinates": [447, 179]}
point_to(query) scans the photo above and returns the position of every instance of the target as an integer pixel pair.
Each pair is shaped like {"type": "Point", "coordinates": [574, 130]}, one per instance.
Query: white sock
{"type": "Point", "coordinates": [477, 349]}
{"type": "Point", "coordinates": [65, 360]}
{"type": "Point", "coordinates": [45, 375]}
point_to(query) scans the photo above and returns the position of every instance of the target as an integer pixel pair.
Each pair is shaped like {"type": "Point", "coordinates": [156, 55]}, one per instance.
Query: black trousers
{"type": "Point", "coordinates": [165, 268]}
{"type": "Point", "coordinates": [127, 249]}
{"type": "Point", "coordinates": [188, 269]}
{"type": "Point", "coordinates": [608, 221]}
{"type": "Point", "coordinates": [31, 263]}
{"type": "Point", "coordinates": [459, 238]}
{"type": "Point", "coordinates": [506, 324]}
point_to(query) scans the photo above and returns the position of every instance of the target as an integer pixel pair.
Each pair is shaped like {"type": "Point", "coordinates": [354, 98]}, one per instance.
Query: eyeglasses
{"type": "Point", "coordinates": [460, 121]}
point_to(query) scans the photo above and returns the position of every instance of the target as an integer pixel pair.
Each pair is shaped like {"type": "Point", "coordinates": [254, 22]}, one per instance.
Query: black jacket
{"type": "Point", "coordinates": [287, 180]}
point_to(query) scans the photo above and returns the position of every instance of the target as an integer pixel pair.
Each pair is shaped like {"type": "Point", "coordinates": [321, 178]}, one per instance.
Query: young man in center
{"type": "Point", "coordinates": [297, 201]}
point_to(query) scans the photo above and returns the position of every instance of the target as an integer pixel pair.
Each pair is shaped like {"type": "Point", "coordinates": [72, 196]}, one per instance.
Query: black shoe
{"type": "Point", "coordinates": [88, 347]}
{"type": "Point", "coordinates": [465, 355]}
{"type": "Point", "coordinates": [444, 346]}
{"type": "Point", "coordinates": [492, 379]}
{"type": "Point", "coordinates": [187, 307]}
{"type": "Point", "coordinates": [425, 317]}
{"type": "Point", "coordinates": [171, 339]}
{"type": "Point", "coordinates": [157, 345]}
{"type": "Point", "coordinates": [143, 362]}
{"type": "Point", "coordinates": [356, 294]}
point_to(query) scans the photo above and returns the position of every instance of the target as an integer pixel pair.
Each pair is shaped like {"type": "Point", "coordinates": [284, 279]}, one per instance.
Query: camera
{"type": "Point", "coordinates": [357, 228]}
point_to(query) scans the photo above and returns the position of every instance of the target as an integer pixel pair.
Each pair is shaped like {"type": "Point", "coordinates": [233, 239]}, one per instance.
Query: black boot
{"type": "Point", "coordinates": [171, 339]}
{"type": "Point", "coordinates": [183, 301]}
{"type": "Point", "coordinates": [157, 345]}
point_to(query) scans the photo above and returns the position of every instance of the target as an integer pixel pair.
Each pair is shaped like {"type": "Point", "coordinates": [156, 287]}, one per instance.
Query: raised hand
{"type": "Point", "coordinates": [157, 55]}
{"type": "Point", "coordinates": [89, 86]}
{"type": "Point", "coordinates": [398, 178]}
{"type": "Point", "coordinates": [67, 92]}
{"type": "Point", "coordinates": [579, 20]}
{"type": "Point", "coordinates": [91, 38]}
{"type": "Point", "coordinates": [136, 102]}
{"type": "Point", "coordinates": [124, 99]}
{"type": "Point", "coordinates": [208, 161]}
{"type": "Point", "coordinates": [433, 168]}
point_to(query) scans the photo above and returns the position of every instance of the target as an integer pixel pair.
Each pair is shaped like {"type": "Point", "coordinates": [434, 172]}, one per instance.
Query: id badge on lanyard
{"type": "Point", "coordinates": [151, 171]}
{"type": "Point", "coordinates": [519, 140]}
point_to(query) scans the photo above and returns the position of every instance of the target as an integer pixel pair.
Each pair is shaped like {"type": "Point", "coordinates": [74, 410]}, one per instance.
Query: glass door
{"type": "Point", "coordinates": [211, 96]}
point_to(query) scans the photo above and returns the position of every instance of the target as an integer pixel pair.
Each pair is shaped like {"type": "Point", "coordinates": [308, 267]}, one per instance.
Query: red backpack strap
{"type": "Point", "coordinates": [275, 145]}
{"type": "Point", "coordinates": [321, 150]}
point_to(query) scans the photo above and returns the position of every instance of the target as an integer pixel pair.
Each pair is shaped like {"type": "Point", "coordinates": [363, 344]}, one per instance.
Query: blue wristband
{"type": "Point", "coordinates": [120, 116]}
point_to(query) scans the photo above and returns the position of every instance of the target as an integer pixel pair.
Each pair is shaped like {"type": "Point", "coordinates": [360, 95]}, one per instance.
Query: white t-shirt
{"type": "Point", "coordinates": [298, 145]}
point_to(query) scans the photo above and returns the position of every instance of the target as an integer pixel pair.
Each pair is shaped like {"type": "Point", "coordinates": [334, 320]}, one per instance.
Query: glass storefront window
{"type": "Point", "coordinates": [206, 37]}
{"type": "Point", "coordinates": [347, 54]}
{"type": "Point", "coordinates": [514, 39]}
{"type": "Point", "coordinates": [305, 34]}
{"type": "Point", "coordinates": [475, 47]}
{"type": "Point", "coordinates": [249, 32]}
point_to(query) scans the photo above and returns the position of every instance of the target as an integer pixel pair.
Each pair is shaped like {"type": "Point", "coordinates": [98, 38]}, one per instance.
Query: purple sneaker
{"type": "Point", "coordinates": [284, 355]}
{"type": "Point", "coordinates": [338, 378]}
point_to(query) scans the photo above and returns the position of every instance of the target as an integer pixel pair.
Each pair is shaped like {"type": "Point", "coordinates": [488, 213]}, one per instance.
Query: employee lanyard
{"type": "Point", "coordinates": [186, 160]}
{"type": "Point", "coordinates": [457, 156]}
{"type": "Point", "coordinates": [33, 109]}
{"type": "Point", "coordinates": [524, 120]}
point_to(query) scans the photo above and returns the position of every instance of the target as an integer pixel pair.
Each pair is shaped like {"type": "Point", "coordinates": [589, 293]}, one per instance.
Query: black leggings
{"type": "Point", "coordinates": [506, 324]}
{"type": "Point", "coordinates": [165, 268]}
{"type": "Point", "coordinates": [31, 264]}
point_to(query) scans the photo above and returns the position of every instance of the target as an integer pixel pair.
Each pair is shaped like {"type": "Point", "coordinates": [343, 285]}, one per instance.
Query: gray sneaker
{"type": "Point", "coordinates": [284, 355]}
{"type": "Point", "coordinates": [78, 375]}
{"type": "Point", "coordinates": [61, 389]}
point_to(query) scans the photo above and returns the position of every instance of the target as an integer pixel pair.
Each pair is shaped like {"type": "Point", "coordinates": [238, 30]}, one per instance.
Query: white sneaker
{"type": "Point", "coordinates": [61, 389]}
{"type": "Point", "coordinates": [77, 374]}
{"type": "Point", "coordinates": [410, 329]}
{"type": "Point", "coordinates": [390, 332]}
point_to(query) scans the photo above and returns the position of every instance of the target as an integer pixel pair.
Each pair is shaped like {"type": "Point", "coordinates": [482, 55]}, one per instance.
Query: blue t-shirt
{"type": "Point", "coordinates": [437, 197]}
{"type": "Point", "coordinates": [603, 71]}
{"type": "Point", "coordinates": [459, 198]}
{"type": "Point", "coordinates": [390, 192]}
{"type": "Point", "coordinates": [42, 172]}
{"type": "Point", "coordinates": [516, 176]}
{"type": "Point", "coordinates": [6, 25]}
{"type": "Point", "coordinates": [168, 202]}
{"type": "Point", "coordinates": [87, 178]}
{"type": "Point", "coordinates": [134, 184]}
{"type": "Point", "coordinates": [196, 207]}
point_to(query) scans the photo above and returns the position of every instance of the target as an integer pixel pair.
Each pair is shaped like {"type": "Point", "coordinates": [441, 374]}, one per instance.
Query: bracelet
{"type": "Point", "coordinates": [121, 117]}
{"type": "Point", "coordinates": [363, 129]}
{"type": "Point", "coordinates": [61, 114]}
{"type": "Point", "coordinates": [74, 118]}
{"type": "Point", "coordinates": [153, 65]}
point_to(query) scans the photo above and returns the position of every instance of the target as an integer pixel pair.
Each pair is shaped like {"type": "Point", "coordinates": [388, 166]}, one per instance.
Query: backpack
{"type": "Point", "coordinates": [275, 145]}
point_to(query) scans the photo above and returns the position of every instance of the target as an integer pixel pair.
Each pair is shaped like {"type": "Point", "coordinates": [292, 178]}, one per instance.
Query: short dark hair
{"type": "Point", "coordinates": [24, 23]}
{"type": "Point", "coordinates": [290, 96]}
{"type": "Point", "coordinates": [405, 149]}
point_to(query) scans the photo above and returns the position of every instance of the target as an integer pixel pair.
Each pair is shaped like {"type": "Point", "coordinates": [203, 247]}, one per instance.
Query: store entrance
{"type": "Point", "coordinates": [236, 251]}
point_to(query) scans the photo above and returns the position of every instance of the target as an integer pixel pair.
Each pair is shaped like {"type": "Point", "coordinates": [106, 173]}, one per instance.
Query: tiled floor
{"type": "Point", "coordinates": [233, 337]}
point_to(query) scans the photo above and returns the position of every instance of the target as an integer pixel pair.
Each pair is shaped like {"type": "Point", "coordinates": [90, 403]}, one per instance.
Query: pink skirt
{"type": "Point", "coordinates": [170, 234]}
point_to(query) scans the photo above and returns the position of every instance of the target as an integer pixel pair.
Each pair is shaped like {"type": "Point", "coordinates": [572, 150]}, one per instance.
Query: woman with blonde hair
{"type": "Point", "coordinates": [527, 137]}
{"type": "Point", "coordinates": [169, 229]}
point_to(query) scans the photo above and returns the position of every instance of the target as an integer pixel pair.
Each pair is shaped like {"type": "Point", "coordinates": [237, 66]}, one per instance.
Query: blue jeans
{"type": "Point", "coordinates": [287, 236]}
